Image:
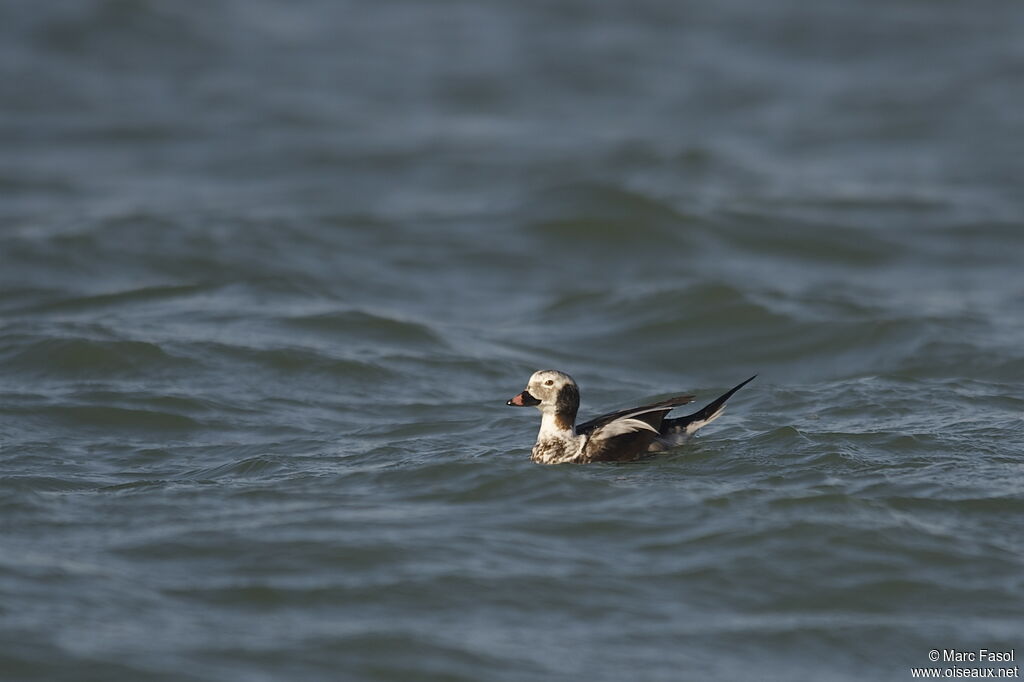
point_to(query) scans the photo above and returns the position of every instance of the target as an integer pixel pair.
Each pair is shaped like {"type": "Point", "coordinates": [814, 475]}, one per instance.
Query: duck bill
{"type": "Point", "coordinates": [524, 399]}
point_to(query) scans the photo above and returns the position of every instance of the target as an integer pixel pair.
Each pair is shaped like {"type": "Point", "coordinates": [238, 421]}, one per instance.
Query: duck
{"type": "Point", "coordinates": [622, 436]}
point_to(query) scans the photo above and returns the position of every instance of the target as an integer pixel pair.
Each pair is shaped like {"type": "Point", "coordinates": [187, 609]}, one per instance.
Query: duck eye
{"type": "Point", "coordinates": [549, 382]}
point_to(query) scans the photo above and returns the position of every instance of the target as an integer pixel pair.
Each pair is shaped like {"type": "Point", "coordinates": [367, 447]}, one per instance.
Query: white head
{"type": "Point", "coordinates": [552, 392]}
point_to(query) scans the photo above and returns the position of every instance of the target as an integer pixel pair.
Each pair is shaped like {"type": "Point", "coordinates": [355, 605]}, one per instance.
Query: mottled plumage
{"type": "Point", "coordinates": [615, 437]}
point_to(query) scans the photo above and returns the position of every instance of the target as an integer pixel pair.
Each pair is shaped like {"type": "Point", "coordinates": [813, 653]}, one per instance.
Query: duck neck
{"type": "Point", "coordinates": [556, 425]}
{"type": "Point", "coordinates": [557, 440]}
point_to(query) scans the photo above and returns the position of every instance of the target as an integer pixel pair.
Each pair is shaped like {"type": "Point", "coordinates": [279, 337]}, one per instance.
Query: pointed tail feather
{"type": "Point", "coordinates": [675, 431]}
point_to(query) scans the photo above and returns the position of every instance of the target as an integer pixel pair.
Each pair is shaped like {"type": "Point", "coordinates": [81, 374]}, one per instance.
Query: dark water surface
{"type": "Point", "coordinates": [269, 271]}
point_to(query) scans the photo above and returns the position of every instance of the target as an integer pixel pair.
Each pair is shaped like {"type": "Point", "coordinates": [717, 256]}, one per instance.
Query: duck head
{"type": "Point", "coordinates": [552, 392]}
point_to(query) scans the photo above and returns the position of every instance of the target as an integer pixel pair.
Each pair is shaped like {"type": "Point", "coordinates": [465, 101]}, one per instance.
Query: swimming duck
{"type": "Point", "coordinates": [615, 437]}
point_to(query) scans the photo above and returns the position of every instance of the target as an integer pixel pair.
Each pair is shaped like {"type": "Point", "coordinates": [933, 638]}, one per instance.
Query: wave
{"type": "Point", "coordinates": [368, 327]}
{"type": "Point", "coordinates": [293, 359]}
{"type": "Point", "coordinates": [147, 294]}
{"type": "Point", "coordinates": [111, 417]}
{"type": "Point", "coordinates": [81, 357]}
{"type": "Point", "coordinates": [594, 216]}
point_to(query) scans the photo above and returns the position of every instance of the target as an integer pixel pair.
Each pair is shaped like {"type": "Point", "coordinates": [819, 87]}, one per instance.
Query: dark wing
{"type": "Point", "coordinates": [691, 422]}
{"type": "Point", "coordinates": [662, 406]}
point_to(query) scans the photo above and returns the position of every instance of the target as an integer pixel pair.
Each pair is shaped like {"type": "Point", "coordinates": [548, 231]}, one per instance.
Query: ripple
{"type": "Point", "coordinates": [258, 466]}
{"type": "Point", "coordinates": [43, 483]}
